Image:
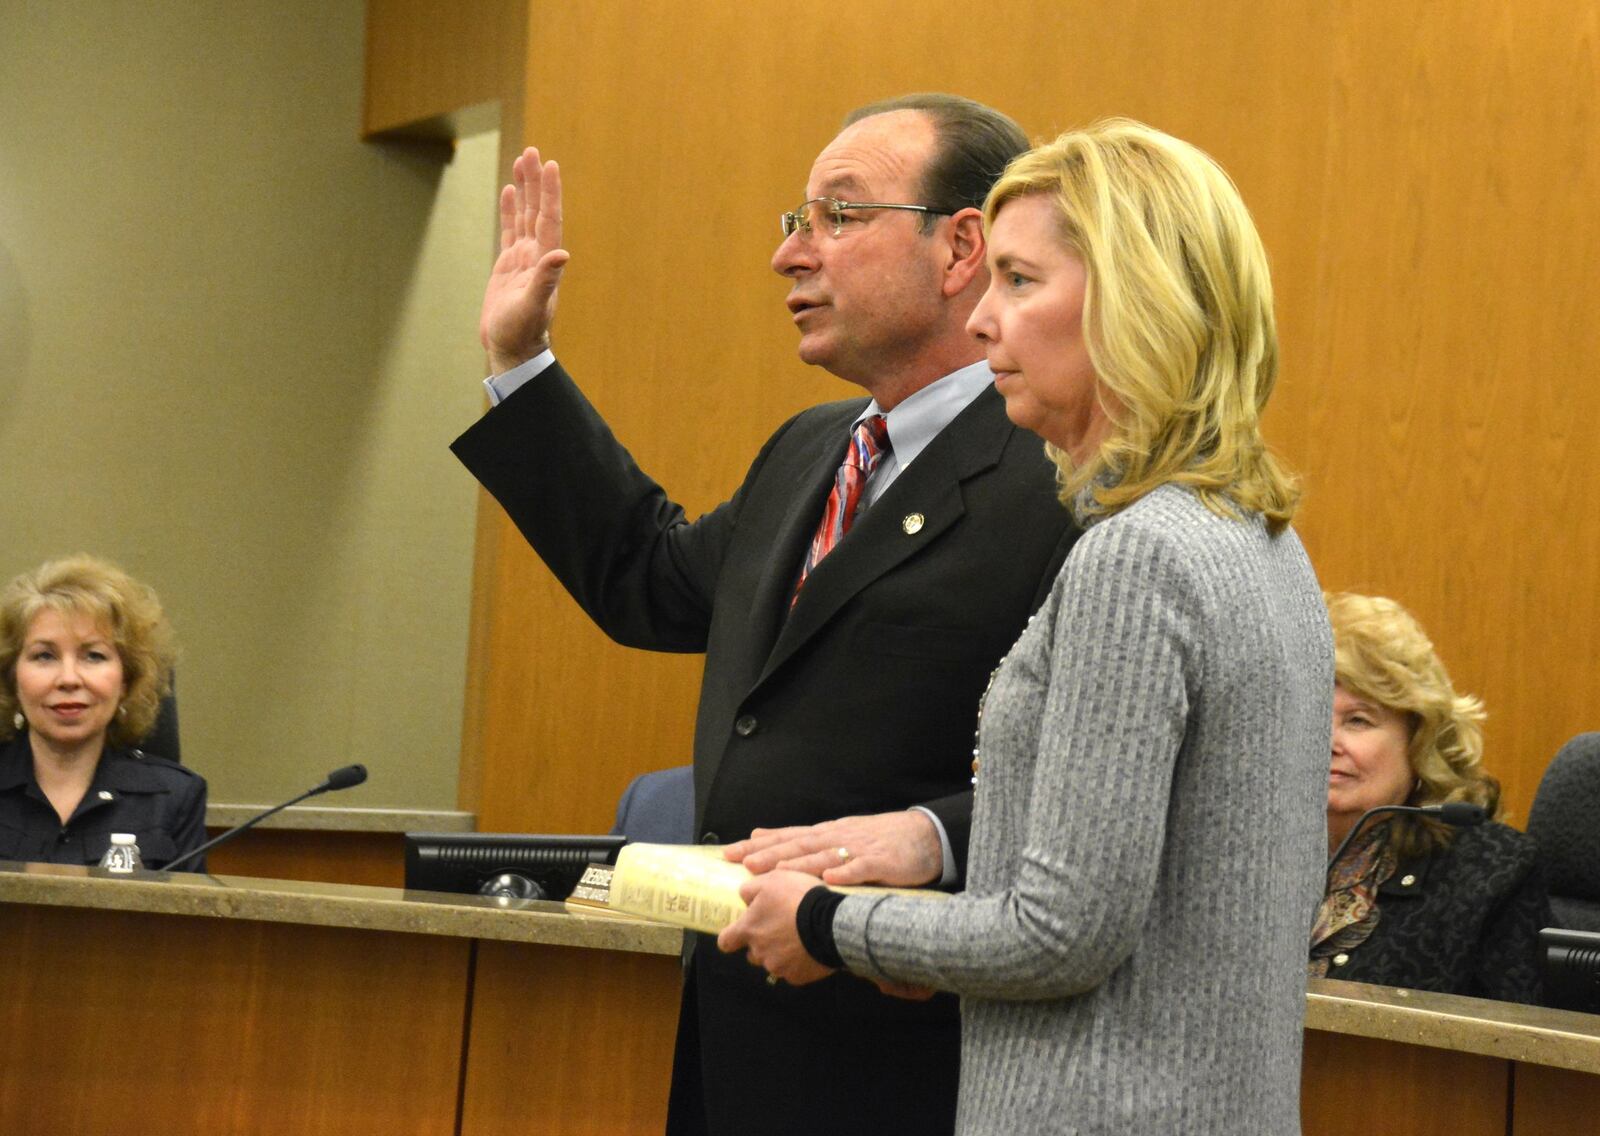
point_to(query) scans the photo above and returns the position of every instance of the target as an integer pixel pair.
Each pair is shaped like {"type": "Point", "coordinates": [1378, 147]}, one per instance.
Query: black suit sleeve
{"type": "Point", "coordinates": [626, 553]}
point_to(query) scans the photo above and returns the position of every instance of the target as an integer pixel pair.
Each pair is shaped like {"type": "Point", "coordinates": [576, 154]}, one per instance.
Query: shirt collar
{"type": "Point", "coordinates": [915, 420]}
{"type": "Point", "coordinates": [117, 770]}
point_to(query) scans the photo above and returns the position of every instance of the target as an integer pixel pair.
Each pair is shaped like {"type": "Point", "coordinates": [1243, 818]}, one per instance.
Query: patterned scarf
{"type": "Point", "coordinates": [1348, 913]}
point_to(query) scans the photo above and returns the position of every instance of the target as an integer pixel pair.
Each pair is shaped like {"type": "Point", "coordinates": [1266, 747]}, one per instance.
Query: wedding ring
{"type": "Point", "coordinates": [844, 855]}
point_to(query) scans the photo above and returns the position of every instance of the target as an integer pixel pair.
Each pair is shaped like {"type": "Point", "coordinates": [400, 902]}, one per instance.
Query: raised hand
{"type": "Point", "coordinates": [900, 849]}
{"type": "Point", "coordinates": [520, 302]}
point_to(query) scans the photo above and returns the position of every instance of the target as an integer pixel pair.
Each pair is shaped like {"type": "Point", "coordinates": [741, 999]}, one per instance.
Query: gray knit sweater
{"type": "Point", "coordinates": [1147, 842]}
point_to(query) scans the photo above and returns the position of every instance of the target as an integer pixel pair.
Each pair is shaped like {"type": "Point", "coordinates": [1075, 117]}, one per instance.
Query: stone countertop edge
{"type": "Point", "coordinates": [1532, 1034]}
{"type": "Point", "coordinates": [322, 818]}
{"type": "Point", "coordinates": [333, 905]}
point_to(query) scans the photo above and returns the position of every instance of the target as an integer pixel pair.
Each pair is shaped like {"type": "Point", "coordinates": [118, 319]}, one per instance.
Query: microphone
{"type": "Point", "coordinates": [342, 778]}
{"type": "Point", "coordinates": [1458, 814]}
{"type": "Point", "coordinates": [345, 777]}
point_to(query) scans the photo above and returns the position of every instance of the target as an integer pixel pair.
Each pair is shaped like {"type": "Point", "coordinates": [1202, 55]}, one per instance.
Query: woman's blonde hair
{"type": "Point", "coordinates": [127, 609]}
{"type": "Point", "coordinates": [1177, 314]}
{"type": "Point", "coordinates": [1381, 654]}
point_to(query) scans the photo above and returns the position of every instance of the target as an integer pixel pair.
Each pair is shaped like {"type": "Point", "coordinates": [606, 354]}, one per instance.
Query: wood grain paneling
{"type": "Point", "coordinates": [1424, 176]}
{"type": "Point", "coordinates": [569, 1042]}
{"type": "Point", "coordinates": [376, 859]}
{"type": "Point", "coordinates": [1548, 1101]}
{"type": "Point", "coordinates": [1440, 395]}
{"type": "Point", "coordinates": [426, 62]}
{"type": "Point", "coordinates": [170, 1024]}
{"type": "Point", "coordinates": [1364, 1084]}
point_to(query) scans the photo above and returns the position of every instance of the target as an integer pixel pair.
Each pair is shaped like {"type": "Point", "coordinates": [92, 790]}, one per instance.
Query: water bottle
{"type": "Point", "coordinates": [123, 855]}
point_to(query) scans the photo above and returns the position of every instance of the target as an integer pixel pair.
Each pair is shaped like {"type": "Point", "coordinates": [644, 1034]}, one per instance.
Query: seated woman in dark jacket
{"type": "Point", "coordinates": [1413, 902]}
{"type": "Point", "coordinates": [85, 657]}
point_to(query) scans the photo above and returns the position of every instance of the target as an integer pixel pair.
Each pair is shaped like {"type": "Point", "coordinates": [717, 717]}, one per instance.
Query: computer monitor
{"type": "Point", "coordinates": [507, 864]}
{"type": "Point", "coordinates": [1571, 969]}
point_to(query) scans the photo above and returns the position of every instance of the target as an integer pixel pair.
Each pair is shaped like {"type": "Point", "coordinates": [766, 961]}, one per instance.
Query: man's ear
{"type": "Point", "coordinates": [966, 251]}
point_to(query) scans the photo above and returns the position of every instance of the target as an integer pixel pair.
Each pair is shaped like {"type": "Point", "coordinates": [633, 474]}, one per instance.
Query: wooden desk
{"type": "Point", "coordinates": [1402, 1061]}
{"type": "Point", "coordinates": [227, 1004]}
{"type": "Point", "coordinates": [236, 1005]}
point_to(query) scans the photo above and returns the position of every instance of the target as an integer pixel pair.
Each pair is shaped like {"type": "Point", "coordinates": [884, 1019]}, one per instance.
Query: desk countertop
{"type": "Point", "coordinates": [1530, 1034]}
{"type": "Point", "coordinates": [331, 905]}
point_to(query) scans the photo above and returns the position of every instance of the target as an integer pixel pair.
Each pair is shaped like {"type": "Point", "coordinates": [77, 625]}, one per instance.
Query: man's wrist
{"type": "Point", "coordinates": [503, 385]}
{"type": "Point", "coordinates": [946, 873]}
{"type": "Point", "coordinates": [502, 362]}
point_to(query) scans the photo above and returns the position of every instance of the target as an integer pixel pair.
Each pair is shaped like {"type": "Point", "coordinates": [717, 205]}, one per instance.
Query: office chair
{"type": "Point", "coordinates": [658, 808]}
{"type": "Point", "coordinates": [162, 740]}
{"type": "Point", "coordinates": [1565, 820]}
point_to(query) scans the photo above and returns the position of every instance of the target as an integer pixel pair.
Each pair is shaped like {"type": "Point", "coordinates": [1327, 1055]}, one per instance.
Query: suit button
{"type": "Point", "coordinates": [745, 725]}
{"type": "Point", "coordinates": [1340, 959]}
{"type": "Point", "coordinates": [710, 838]}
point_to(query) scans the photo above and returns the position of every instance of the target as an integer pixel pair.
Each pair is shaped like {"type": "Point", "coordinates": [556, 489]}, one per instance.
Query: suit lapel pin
{"type": "Point", "coordinates": [912, 524]}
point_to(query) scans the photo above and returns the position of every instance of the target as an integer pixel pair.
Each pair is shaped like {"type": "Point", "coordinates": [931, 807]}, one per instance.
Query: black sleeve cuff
{"type": "Point", "coordinates": [814, 922]}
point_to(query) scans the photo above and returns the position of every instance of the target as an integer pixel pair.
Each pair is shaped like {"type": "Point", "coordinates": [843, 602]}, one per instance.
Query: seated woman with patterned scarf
{"type": "Point", "coordinates": [1413, 902]}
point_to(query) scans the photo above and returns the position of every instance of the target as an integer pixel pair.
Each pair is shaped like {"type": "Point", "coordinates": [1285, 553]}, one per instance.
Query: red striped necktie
{"type": "Point", "coordinates": [868, 444]}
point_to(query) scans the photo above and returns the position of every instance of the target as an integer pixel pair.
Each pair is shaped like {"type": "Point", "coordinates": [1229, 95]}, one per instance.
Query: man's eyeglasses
{"type": "Point", "coordinates": [832, 216]}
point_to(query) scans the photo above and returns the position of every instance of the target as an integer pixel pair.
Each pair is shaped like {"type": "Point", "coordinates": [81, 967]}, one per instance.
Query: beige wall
{"type": "Point", "coordinates": [234, 344]}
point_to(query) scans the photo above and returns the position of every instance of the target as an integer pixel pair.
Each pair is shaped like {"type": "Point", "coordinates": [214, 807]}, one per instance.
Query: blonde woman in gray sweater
{"type": "Point", "coordinates": [1152, 754]}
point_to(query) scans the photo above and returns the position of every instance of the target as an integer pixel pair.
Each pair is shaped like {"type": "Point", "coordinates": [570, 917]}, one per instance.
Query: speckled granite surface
{"type": "Point", "coordinates": [1533, 1034]}
{"type": "Point", "coordinates": [314, 817]}
{"type": "Point", "coordinates": [331, 905]}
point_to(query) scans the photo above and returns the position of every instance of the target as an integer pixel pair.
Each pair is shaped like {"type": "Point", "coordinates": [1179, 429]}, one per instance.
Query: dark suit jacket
{"type": "Point", "coordinates": [1462, 921]}
{"type": "Point", "coordinates": [861, 699]}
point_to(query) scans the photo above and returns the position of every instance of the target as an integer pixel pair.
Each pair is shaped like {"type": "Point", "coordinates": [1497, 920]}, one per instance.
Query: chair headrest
{"type": "Point", "coordinates": [1565, 818]}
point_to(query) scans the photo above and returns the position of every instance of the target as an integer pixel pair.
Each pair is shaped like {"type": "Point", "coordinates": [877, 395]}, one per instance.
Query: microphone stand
{"type": "Point", "coordinates": [340, 779]}
{"type": "Point", "coordinates": [1459, 814]}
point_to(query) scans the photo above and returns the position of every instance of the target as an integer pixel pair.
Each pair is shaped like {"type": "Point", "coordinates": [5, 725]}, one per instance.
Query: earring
{"type": "Point", "coordinates": [122, 711]}
{"type": "Point", "coordinates": [17, 719]}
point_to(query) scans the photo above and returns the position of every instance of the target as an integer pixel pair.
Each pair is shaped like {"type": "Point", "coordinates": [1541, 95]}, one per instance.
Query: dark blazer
{"type": "Point", "coordinates": [861, 699]}
{"type": "Point", "coordinates": [1462, 921]}
{"type": "Point", "coordinates": [161, 802]}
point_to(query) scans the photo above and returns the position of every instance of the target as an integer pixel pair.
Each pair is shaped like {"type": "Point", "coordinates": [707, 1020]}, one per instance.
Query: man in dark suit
{"type": "Point", "coordinates": [843, 672]}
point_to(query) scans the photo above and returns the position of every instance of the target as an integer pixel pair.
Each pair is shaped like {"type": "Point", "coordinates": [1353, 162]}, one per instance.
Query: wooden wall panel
{"type": "Point", "coordinates": [375, 859]}
{"type": "Point", "coordinates": [1424, 176]}
{"type": "Point", "coordinates": [1364, 1083]}
{"type": "Point", "coordinates": [426, 62]}
{"type": "Point", "coordinates": [569, 1042]}
{"type": "Point", "coordinates": [171, 1024]}
{"type": "Point", "coordinates": [1440, 395]}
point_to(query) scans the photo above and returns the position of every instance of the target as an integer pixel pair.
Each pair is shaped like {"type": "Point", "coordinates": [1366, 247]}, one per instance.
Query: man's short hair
{"type": "Point", "coordinates": [975, 143]}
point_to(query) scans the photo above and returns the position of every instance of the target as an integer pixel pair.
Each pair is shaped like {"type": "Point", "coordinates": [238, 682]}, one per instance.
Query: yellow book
{"type": "Point", "coordinates": [692, 886]}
